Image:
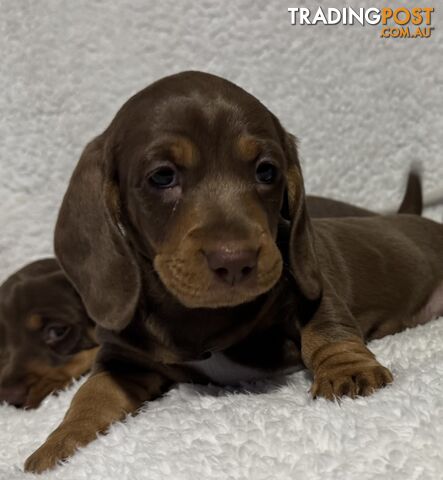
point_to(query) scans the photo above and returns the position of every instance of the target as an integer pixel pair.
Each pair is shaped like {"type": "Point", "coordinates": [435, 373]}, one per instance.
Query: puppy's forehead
{"type": "Point", "coordinates": [195, 103]}
{"type": "Point", "coordinates": [210, 119]}
{"type": "Point", "coordinates": [26, 297]}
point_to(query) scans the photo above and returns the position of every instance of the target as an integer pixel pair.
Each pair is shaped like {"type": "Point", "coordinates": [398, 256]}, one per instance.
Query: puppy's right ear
{"type": "Point", "coordinates": [90, 243]}
{"type": "Point", "coordinates": [302, 254]}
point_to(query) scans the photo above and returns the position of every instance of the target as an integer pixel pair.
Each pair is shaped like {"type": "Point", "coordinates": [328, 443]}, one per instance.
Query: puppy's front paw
{"type": "Point", "coordinates": [60, 445]}
{"type": "Point", "coordinates": [347, 368]}
{"type": "Point", "coordinates": [351, 382]}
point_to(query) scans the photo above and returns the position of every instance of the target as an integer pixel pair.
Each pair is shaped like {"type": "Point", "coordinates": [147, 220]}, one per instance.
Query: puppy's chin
{"type": "Point", "coordinates": [195, 286]}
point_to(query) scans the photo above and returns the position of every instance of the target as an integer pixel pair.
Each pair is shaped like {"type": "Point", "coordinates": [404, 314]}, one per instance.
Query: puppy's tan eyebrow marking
{"type": "Point", "coordinates": [184, 152]}
{"type": "Point", "coordinates": [34, 322]}
{"type": "Point", "coordinates": [248, 148]}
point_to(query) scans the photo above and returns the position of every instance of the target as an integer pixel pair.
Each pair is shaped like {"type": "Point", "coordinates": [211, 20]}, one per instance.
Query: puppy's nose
{"type": "Point", "coordinates": [14, 395]}
{"type": "Point", "coordinates": [232, 266]}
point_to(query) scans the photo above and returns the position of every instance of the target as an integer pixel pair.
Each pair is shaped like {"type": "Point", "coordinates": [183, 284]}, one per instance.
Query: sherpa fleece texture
{"type": "Point", "coordinates": [363, 108]}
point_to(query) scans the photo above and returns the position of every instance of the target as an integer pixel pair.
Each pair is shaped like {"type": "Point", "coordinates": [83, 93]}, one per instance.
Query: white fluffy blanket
{"type": "Point", "coordinates": [363, 107]}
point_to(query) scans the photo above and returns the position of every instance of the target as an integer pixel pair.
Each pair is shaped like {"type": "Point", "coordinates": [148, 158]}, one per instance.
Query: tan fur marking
{"type": "Point", "coordinates": [248, 148]}
{"type": "Point", "coordinates": [77, 365]}
{"type": "Point", "coordinates": [346, 368]}
{"type": "Point", "coordinates": [184, 152]}
{"type": "Point", "coordinates": [102, 400]}
{"type": "Point", "coordinates": [44, 379]}
{"type": "Point", "coordinates": [34, 322]}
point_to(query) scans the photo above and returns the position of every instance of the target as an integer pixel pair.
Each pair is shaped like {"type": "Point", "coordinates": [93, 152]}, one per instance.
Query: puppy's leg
{"type": "Point", "coordinates": [334, 350]}
{"type": "Point", "coordinates": [103, 399]}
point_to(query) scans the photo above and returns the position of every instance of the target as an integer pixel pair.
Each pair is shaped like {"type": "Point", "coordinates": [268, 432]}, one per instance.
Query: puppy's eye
{"type": "Point", "coordinates": [54, 333]}
{"type": "Point", "coordinates": [266, 172]}
{"type": "Point", "coordinates": [163, 177]}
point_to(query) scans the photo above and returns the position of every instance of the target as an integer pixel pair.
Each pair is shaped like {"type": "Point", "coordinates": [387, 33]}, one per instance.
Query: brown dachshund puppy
{"type": "Point", "coordinates": [173, 231]}
{"type": "Point", "coordinates": [46, 339]}
{"type": "Point", "coordinates": [46, 336]}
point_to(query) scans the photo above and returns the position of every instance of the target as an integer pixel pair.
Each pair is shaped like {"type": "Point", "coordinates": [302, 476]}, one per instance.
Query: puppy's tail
{"type": "Point", "coordinates": [412, 202]}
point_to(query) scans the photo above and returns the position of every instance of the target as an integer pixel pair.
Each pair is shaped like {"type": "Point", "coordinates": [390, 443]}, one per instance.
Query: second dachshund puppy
{"type": "Point", "coordinates": [46, 335]}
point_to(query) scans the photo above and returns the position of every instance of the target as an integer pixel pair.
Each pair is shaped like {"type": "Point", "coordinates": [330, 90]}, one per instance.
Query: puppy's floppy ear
{"type": "Point", "coordinates": [90, 243]}
{"type": "Point", "coordinates": [293, 177]}
{"type": "Point", "coordinates": [302, 255]}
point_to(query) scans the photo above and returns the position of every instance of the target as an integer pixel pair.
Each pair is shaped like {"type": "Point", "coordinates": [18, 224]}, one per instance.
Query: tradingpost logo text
{"type": "Point", "coordinates": [399, 22]}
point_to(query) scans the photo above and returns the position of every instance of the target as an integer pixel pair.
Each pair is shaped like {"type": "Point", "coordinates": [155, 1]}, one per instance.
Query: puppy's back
{"type": "Point", "coordinates": [381, 263]}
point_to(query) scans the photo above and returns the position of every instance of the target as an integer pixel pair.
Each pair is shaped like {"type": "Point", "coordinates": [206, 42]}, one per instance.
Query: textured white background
{"type": "Point", "coordinates": [363, 108]}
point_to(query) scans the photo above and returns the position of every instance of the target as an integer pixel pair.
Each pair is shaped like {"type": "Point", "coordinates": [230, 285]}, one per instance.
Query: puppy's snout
{"type": "Point", "coordinates": [232, 266]}
{"type": "Point", "coordinates": [14, 395]}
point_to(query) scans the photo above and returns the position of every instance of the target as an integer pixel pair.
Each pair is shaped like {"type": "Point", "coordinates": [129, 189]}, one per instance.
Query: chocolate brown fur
{"type": "Point", "coordinates": [47, 337]}
{"type": "Point", "coordinates": [26, 359]}
{"type": "Point", "coordinates": [141, 260]}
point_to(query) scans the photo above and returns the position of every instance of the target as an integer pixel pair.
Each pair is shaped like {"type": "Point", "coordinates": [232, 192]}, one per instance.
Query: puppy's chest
{"type": "Point", "coordinates": [221, 369]}
{"type": "Point", "coordinates": [262, 354]}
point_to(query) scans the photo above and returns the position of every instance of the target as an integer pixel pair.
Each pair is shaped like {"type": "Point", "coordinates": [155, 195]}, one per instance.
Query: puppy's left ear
{"type": "Point", "coordinates": [302, 255]}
